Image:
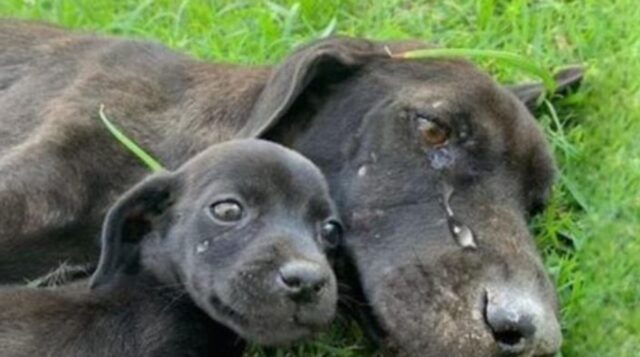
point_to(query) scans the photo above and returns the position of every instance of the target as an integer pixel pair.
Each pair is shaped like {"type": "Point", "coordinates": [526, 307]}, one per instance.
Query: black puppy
{"type": "Point", "coordinates": [231, 243]}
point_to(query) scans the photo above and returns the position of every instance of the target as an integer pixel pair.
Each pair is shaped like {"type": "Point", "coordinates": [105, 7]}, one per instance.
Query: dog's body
{"type": "Point", "coordinates": [135, 320]}
{"type": "Point", "coordinates": [392, 136]}
{"type": "Point", "coordinates": [231, 243]}
{"type": "Point", "coordinates": [75, 169]}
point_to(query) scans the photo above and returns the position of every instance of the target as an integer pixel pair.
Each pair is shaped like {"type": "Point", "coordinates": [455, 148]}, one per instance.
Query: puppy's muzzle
{"type": "Point", "coordinates": [303, 280]}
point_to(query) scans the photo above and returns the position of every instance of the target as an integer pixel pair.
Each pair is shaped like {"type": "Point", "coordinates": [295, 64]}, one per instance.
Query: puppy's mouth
{"type": "Point", "coordinates": [309, 325]}
{"type": "Point", "coordinates": [227, 311]}
{"type": "Point", "coordinates": [242, 321]}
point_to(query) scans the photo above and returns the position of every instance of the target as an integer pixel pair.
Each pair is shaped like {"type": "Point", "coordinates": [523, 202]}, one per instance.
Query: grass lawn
{"type": "Point", "coordinates": [589, 234]}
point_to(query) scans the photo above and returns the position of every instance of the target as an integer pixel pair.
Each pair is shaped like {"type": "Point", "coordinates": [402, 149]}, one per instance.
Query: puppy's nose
{"type": "Point", "coordinates": [521, 325]}
{"type": "Point", "coordinates": [303, 280]}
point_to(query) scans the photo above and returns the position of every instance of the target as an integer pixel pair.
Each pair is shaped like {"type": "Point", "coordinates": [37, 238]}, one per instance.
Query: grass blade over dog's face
{"type": "Point", "coordinates": [244, 226]}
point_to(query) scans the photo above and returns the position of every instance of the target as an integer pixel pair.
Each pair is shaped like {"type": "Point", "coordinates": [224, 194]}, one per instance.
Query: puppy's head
{"type": "Point", "coordinates": [244, 228]}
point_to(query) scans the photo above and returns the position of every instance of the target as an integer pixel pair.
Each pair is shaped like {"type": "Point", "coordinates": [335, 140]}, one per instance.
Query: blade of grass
{"type": "Point", "coordinates": [129, 144]}
{"type": "Point", "coordinates": [507, 57]}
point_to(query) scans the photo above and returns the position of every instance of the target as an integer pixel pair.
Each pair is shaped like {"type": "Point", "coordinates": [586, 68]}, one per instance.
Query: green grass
{"type": "Point", "coordinates": [589, 234]}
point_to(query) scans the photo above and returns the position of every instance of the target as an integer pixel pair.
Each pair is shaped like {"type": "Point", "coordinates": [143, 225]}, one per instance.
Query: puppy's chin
{"type": "Point", "coordinates": [282, 325]}
{"type": "Point", "coordinates": [280, 329]}
{"type": "Point", "coordinates": [261, 322]}
{"type": "Point", "coordinates": [280, 335]}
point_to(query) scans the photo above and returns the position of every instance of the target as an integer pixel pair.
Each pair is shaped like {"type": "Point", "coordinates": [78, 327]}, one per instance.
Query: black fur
{"type": "Point", "coordinates": [174, 280]}
{"type": "Point", "coordinates": [344, 103]}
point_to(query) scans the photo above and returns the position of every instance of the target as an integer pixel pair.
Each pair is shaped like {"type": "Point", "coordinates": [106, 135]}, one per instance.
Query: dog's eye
{"type": "Point", "coordinates": [226, 211]}
{"type": "Point", "coordinates": [432, 132]}
{"type": "Point", "coordinates": [331, 233]}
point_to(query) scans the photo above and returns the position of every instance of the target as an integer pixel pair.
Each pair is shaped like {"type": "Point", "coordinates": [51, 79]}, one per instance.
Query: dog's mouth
{"type": "Point", "coordinates": [306, 327]}
{"type": "Point", "coordinates": [309, 324]}
{"type": "Point", "coordinates": [227, 311]}
{"type": "Point", "coordinates": [265, 329]}
{"type": "Point", "coordinates": [242, 321]}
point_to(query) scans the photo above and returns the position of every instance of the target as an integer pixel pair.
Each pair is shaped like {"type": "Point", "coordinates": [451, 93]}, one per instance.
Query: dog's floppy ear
{"type": "Point", "coordinates": [132, 217]}
{"type": "Point", "coordinates": [330, 59]}
{"type": "Point", "coordinates": [566, 79]}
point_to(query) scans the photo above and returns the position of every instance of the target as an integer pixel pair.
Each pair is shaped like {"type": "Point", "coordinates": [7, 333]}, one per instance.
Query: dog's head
{"type": "Point", "coordinates": [244, 228]}
{"type": "Point", "coordinates": [436, 169]}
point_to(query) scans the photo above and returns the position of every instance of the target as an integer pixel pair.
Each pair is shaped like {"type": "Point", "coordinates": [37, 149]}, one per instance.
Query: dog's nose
{"type": "Point", "coordinates": [303, 280]}
{"type": "Point", "coordinates": [521, 325]}
{"type": "Point", "coordinates": [511, 329]}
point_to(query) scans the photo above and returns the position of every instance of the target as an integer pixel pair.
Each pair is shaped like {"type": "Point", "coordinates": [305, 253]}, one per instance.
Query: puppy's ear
{"type": "Point", "coordinates": [132, 217]}
{"type": "Point", "coordinates": [566, 79]}
{"type": "Point", "coordinates": [329, 60]}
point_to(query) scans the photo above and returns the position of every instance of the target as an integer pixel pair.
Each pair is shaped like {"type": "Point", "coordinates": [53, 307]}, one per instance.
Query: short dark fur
{"type": "Point", "coordinates": [343, 103]}
{"type": "Point", "coordinates": [158, 292]}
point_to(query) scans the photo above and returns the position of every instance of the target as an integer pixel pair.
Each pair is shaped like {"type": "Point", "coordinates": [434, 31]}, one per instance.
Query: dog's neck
{"type": "Point", "coordinates": [169, 322]}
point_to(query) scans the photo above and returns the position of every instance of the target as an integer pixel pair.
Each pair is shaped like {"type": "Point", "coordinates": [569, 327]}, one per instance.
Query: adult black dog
{"type": "Point", "coordinates": [434, 166]}
{"type": "Point", "coordinates": [237, 235]}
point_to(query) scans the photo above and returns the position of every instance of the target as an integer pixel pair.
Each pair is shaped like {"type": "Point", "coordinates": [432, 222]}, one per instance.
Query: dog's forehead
{"type": "Point", "coordinates": [450, 87]}
{"type": "Point", "coordinates": [441, 72]}
{"type": "Point", "coordinates": [456, 83]}
{"type": "Point", "coordinates": [256, 165]}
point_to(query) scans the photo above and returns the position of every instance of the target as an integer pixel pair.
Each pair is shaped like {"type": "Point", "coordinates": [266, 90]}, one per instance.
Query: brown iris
{"type": "Point", "coordinates": [432, 132]}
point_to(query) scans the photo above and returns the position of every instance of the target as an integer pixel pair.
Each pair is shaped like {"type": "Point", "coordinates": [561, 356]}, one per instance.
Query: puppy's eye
{"type": "Point", "coordinates": [432, 132]}
{"type": "Point", "coordinates": [226, 211]}
{"type": "Point", "coordinates": [331, 233]}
